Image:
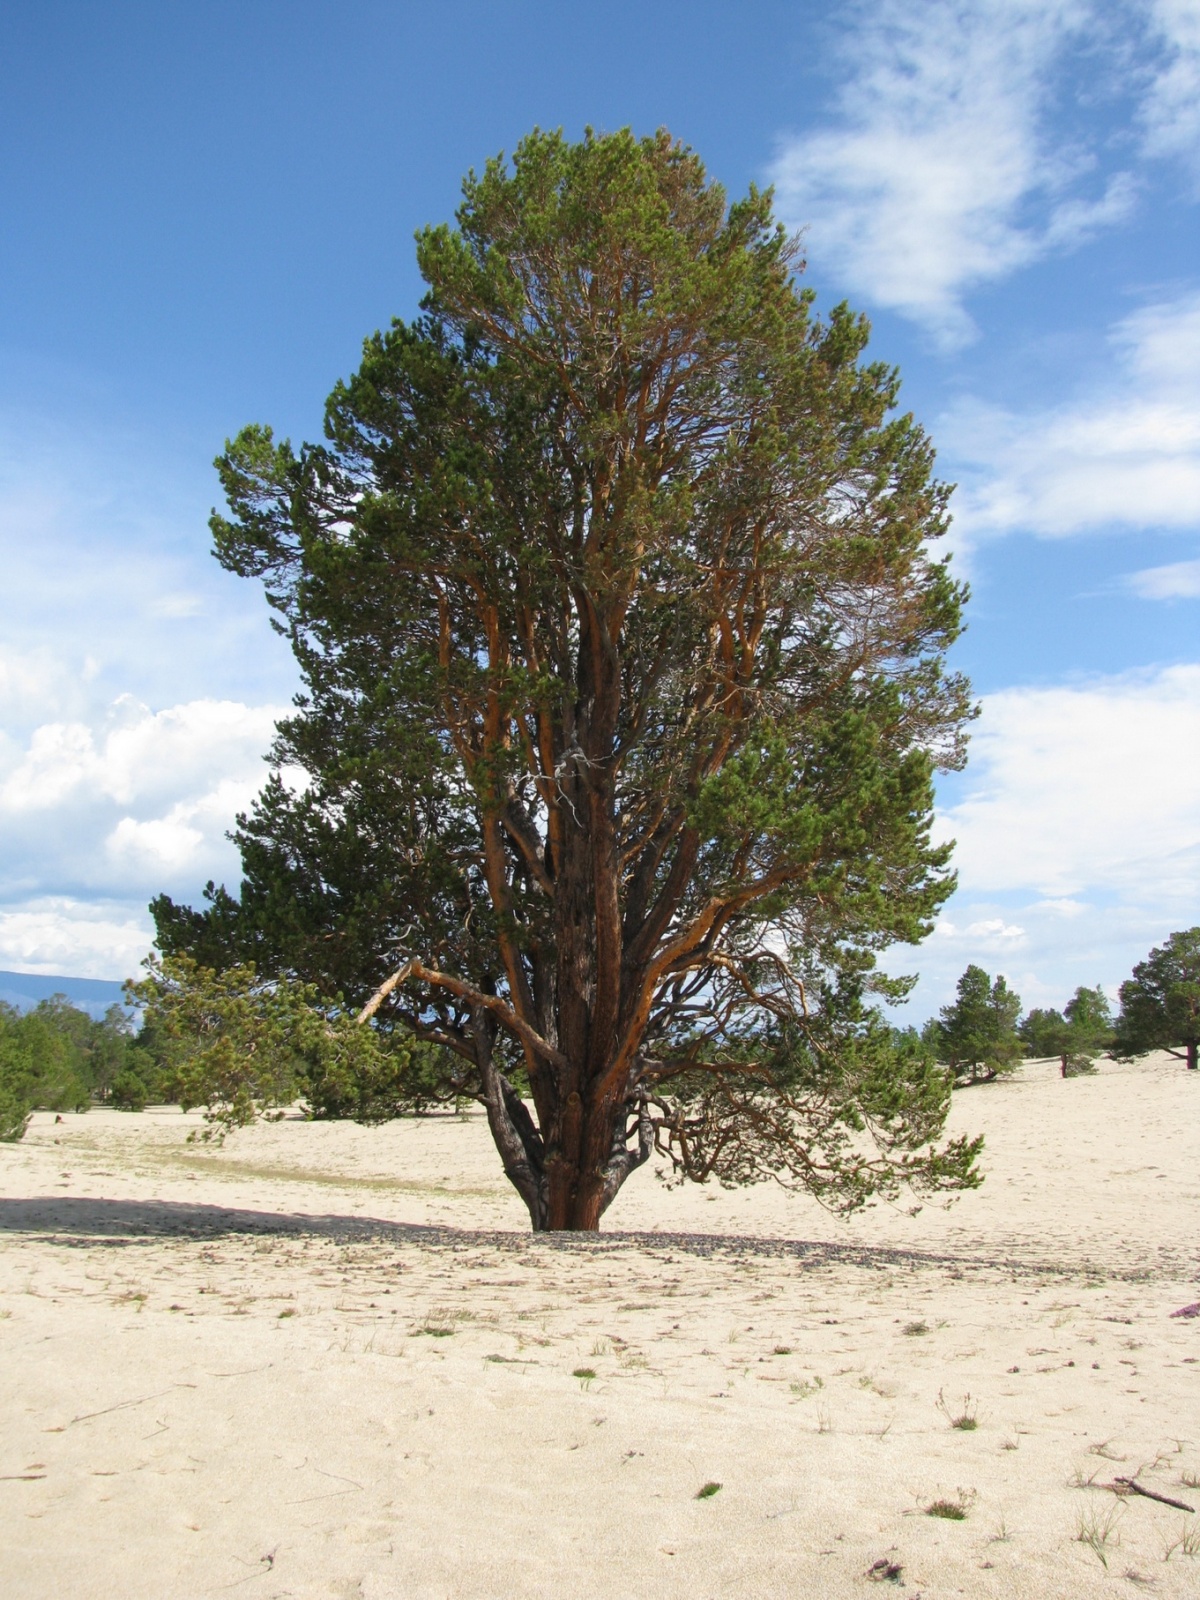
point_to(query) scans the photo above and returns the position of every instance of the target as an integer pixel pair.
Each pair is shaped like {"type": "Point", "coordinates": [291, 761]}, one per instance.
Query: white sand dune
{"type": "Point", "coordinates": [330, 1361]}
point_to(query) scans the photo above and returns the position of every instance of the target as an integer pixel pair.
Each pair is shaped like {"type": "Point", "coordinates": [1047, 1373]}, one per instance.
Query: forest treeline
{"type": "Point", "coordinates": [982, 1035]}
{"type": "Point", "coordinates": [240, 1045]}
{"type": "Point", "coordinates": [58, 1058]}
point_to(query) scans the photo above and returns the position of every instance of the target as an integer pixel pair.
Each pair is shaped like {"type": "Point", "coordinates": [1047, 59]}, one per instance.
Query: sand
{"type": "Point", "coordinates": [330, 1361]}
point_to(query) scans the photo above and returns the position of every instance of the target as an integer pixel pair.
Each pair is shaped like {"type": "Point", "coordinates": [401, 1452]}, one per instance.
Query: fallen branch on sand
{"type": "Point", "coordinates": [1132, 1486]}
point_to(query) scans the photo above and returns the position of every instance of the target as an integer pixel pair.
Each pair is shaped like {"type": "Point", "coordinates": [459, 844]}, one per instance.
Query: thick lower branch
{"type": "Point", "coordinates": [499, 1008]}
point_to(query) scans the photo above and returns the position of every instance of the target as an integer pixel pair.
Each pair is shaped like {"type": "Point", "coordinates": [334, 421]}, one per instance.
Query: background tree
{"type": "Point", "coordinates": [623, 652]}
{"type": "Point", "coordinates": [1160, 1003]}
{"type": "Point", "coordinates": [1077, 1037]}
{"type": "Point", "coordinates": [1089, 1031]}
{"type": "Point", "coordinates": [977, 1036]}
{"type": "Point", "coordinates": [1042, 1032]}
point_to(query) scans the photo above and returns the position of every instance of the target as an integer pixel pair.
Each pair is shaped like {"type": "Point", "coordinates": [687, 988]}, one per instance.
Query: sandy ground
{"type": "Point", "coordinates": [329, 1361]}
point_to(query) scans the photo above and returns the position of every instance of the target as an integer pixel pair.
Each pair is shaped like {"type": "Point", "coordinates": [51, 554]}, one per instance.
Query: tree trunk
{"type": "Point", "coordinates": [1191, 1054]}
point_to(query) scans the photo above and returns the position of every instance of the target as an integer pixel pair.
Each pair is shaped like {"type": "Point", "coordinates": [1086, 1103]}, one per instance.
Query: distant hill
{"type": "Point", "coordinates": [25, 989]}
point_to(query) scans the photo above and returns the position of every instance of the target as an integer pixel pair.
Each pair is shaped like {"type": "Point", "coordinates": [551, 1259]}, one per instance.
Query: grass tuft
{"type": "Point", "coordinates": [967, 1419]}
{"type": "Point", "coordinates": [1098, 1529]}
{"type": "Point", "coordinates": [708, 1491]}
{"type": "Point", "coordinates": [915, 1330]}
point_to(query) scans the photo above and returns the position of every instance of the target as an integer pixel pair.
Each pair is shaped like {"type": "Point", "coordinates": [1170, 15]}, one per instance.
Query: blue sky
{"type": "Point", "coordinates": [206, 208]}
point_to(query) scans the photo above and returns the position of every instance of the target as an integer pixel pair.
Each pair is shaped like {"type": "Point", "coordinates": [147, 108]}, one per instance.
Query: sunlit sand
{"type": "Point", "coordinates": [330, 1361]}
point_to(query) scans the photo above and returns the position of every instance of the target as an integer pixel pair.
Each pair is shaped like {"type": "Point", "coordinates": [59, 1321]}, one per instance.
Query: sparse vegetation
{"type": "Point", "coordinates": [1076, 1035]}
{"type": "Point", "coordinates": [952, 1510]}
{"type": "Point", "coordinates": [1160, 1003]}
{"type": "Point", "coordinates": [1098, 1530]}
{"type": "Point", "coordinates": [965, 1418]}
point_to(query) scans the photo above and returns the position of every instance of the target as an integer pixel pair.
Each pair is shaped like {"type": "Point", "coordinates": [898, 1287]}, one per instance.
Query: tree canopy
{"type": "Point", "coordinates": [1160, 1003]}
{"type": "Point", "coordinates": [623, 648]}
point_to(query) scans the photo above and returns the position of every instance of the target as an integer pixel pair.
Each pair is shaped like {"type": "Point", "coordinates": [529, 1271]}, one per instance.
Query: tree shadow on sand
{"type": "Point", "coordinates": [85, 1221]}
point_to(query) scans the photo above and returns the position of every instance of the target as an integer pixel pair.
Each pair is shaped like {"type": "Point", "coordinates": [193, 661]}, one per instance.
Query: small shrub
{"type": "Point", "coordinates": [915, 1330]}
{"type": "Point", "coordinates": [952, 1510]}
{"type": "Point", "coordinates": [707, 1492]}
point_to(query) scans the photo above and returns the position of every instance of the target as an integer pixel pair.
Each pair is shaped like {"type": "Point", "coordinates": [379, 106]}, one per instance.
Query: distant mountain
{"type": "Point", "coordinates": [25, 989]}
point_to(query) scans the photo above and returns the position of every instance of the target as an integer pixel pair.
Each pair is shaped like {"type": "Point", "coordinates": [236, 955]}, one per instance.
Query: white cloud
{"type": "Point", "coordinates": [1171, 109]}
{"type": "Point", "coordinates": [83, 939]}
{"type": "Point", "coordinates": [1078, 838]}
{"type": "Point", "coordinates": [1178, 580]}
{"type": "Point", "coordinates": [938, 173]}
{"type": "Point", "coordinates": [177, 840]}
{"type": "Point", "coordinates": [133, 802]}
{"type": "Point", "coordinates": [1090, 788]}
{"type": "Point", "coordinates": [1126, 452]}
{"type": "Point", "coordinates": [139, 754]}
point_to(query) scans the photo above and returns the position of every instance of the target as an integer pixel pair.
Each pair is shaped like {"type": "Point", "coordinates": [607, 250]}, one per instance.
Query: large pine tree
{"type": "Point", "coordinates": [623, 649]}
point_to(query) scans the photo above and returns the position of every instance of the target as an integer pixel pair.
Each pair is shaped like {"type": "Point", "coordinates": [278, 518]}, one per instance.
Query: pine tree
{"type": "Point", "coordinates": [1160, 1003]}
{"type": "Point", "coordinates": [623, 651]}
{"type": "Point", "coordinates": [977, 1035]}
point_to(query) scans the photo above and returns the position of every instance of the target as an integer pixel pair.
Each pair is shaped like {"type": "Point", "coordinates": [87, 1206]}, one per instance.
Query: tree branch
{"type": "Point", "coordinates": [499, 1008]}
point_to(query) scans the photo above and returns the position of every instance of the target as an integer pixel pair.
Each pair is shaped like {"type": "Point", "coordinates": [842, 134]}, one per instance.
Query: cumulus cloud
{"type": "Point", "coordinates": [990, 932]}
{"type": "Point", "coordinates": [938, 171]}
{"type": "Point", "coordinates": [1078, 837]}
{"type": "Point", "coordinates": [120, 807]}
{"type": "Point", "coordinates": [82, 939]}
{"type": "Point", "coordinates": [139, 754]}
{"type": "Point", "coordinates": [1090, 787]}
{"type": "Point", "coordinates": [1125, 452]}
{"type": "Point", "coordinates": [133, 802]}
